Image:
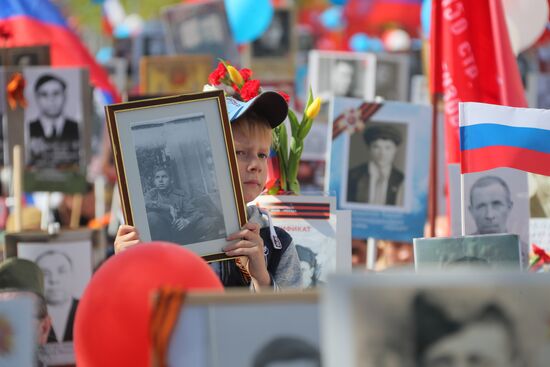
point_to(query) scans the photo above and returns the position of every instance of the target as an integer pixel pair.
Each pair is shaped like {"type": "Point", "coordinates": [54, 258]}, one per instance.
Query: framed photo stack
{"type": "Point", "coordinates": [177, 170]}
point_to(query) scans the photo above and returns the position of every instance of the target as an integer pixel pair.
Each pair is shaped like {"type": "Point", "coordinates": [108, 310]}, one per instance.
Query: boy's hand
{"type": "Point", "coordinates": [126, 237]}
{"type": "Point", "coordinates": [181, 223]}
{"type": "Point", "coordinates": [250, 245]}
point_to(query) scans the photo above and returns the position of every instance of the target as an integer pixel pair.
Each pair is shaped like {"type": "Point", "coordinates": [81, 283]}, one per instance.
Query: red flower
{"type": "Point", "coordinates": [215, 77]}
{"type": "Point", "coordinates": [250, 89]}
{"type": "Point", "coordinates": [284, 95]}
{"type": "Point", "coordinates": [246, 73]}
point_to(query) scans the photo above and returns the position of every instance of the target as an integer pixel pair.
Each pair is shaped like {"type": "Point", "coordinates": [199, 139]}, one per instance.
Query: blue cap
{"type": "Point", "coordinates": [270, 105]}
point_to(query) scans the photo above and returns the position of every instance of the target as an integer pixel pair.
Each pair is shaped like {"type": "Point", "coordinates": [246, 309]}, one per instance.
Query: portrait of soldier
{"type": "Point", "coordinates": [53, 138]}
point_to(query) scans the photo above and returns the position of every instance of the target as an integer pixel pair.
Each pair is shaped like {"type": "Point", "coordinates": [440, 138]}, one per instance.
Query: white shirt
{"type": "Point", "coordinates": [48, 124]}
{"type": "Point", "coordinates": [376, 173]}
{"type": "Point", "coordinates": [60, 316]}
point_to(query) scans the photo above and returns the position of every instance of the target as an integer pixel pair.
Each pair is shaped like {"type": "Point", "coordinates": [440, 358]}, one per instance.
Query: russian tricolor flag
{"type": "Point", "coordinates": [494, 136]}
{"type": "Point", "coordinates": [40, 22]}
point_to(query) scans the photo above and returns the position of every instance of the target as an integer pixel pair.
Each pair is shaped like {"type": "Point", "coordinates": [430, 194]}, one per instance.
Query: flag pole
{"type": "Point", "coordinates": [432, 204]}
{"type": "Point", "coordinates": [462, 205]}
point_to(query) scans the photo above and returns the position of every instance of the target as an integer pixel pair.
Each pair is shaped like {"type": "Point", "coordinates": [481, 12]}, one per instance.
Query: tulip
{"type": "Point", "coordinates": [235, 76]}
{"type": "Point", "coordinates": [313, 110]}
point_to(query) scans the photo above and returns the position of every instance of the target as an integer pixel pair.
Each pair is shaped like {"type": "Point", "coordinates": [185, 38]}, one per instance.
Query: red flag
{"type": "Point", "coordinates": [471, 61]}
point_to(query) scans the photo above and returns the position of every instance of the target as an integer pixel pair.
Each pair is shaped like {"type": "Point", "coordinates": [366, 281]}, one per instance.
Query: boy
{"type": "Point", "coordinates": [267, 256]}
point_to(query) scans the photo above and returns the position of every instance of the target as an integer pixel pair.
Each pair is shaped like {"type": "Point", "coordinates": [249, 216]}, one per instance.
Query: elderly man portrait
{"type": "Point", "coordinates": [58, 284]}
{"type": "Point", "coordinates": [54, 139]}
{"type": "Point", "coordinates": [378, 181]}
{"type": "Point", "coordinates": [343, 79]}
{"type": "Point", "coordinates": [490, 205]}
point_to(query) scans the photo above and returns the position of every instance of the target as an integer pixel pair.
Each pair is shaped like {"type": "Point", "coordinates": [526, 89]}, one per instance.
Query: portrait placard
{"type": "Point", "coordinates": [435, 319]}
{"type": "Point", "coordinates": [200, 28]}
{"type": "Point", "coordinates": [18, 325]}
{"type": "Point", "coordinates": [3, 117]}
{"type": "Point", "coordinates": [497, 201]}
{"type": "Point", "coordinates": [489, 251]}
{"type": "Point", "coordinates": [392, 76]}
{"type": "Point", "coordinates": [272, 56]}
{"type": "Point", "coordinates": [204, 334]}
{"type": "Point", "coordinates": [343, 74]}
{"type": "Point", "coordinates": [54, 129]}
{"type": "Point", "coordinates": [174, 74]}
{"type": "Point", "coordinates": [67, 260]}
{"type": "Point", "coordinates": [177, 170]}
{"type": "Point", "coordinates": [25, 56]}
{"type": "Point", "coordinates": [377, 166]}
{"type": "Point", "coordinates": [312, 223]}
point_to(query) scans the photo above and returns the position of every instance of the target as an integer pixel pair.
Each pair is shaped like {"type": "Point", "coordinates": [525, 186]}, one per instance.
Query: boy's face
{"type": "Point", "coordinates": [252, 154]}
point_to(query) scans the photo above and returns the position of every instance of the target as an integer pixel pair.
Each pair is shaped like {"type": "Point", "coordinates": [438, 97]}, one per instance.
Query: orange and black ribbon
{"type": "Point", "coordinates": [164, 317]}
{"type": "Point", "coordinates": [16, 91]}
{"type": "Point", "coordinates": [355, 119]}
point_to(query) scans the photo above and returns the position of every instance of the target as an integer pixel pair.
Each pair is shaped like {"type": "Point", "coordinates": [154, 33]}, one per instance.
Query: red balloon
{"type": "Point", "coordinates": [112, 320]}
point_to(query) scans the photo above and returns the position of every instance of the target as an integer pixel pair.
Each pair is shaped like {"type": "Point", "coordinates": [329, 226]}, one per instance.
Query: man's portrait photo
{"type": "Point", "coordinates": [53, 118]}
{"type": "Point", "coordinates": [497, 201]}
{"type": "Point", "coordinates": [288, 351]}
{"type": "Point", "coordinates": [67, 268]}
{"type": "Point", "coordinates": [309, 265]}
{"type": "Point", "coordinates": [376, 173]}
{"type": "Point", "coordinates": [342, 74]}
{"type": "Point", "coordinates": [177, 174]}
{"type": "Point", "coordinates": [275, 41]}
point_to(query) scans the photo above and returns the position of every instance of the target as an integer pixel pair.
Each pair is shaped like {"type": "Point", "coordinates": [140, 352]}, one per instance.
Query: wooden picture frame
{"type": "Point", "coordinates": [177, 170]}
{"type": "Point", "coordinates": [272, 56]}
{"type": "Point", "coordinates": [25, 56]}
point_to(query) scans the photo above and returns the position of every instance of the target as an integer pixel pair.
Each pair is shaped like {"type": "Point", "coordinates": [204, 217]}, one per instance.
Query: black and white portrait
{"type": "Point", "coordinates": [539, 201]}
{"type": "Point", "coordinates": [342, 74]}
{"type": "Point", "coordinates": [275, 41]}
{"type": "Point", "coordinates": [377, 165]}
{"type": "Point", "coordinates": [177, 174]}
{"type": "Point", "coordinates": [490, 251]}
{"type": "Point", "coordinates": [200, 28]}
{"type": "Point", "coordinates": [67, 269]}
{"type": "Point", "coordinates": [26, 56]}
{"type": "Point", "coordinates": [53, 117]}
{"type": "Point", "coordinates": [310, 268]}
{"type": "Point", "coordinates": [392, 76]}
{"type": "Point", "coordinates": [446, 319]}
{"type": "Point", "coordinates": [497, 201]}
{"type": "Point", "coordinates": [209, 332]}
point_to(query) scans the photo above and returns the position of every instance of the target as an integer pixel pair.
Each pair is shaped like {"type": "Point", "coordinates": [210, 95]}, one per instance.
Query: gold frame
{"type": "Point", "coordinates": [112, 110]}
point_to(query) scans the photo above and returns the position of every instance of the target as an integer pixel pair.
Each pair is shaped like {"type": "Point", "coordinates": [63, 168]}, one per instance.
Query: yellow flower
{"type": "Point", "coordinates": [235, 76]}
{"type": "Point", "coordinates": [313, 110]}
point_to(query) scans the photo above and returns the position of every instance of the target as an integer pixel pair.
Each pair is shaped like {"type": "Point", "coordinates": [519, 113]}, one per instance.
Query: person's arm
{"type": "Point", "coordinates": [153, 204]}
{"type": "Point", "coordinates": [251, 245]}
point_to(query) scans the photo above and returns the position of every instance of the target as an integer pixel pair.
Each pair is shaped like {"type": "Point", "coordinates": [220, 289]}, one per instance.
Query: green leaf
{"type": "Point", "coordinates": [305, 128]}
{"type": "Point", "coordinates": [294, 125]}
{"type": "Point", "coordinates": [309, 99]}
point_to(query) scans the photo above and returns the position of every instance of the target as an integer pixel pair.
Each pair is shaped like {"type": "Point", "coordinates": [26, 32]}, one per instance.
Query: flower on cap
{"type": "Point", "coordinates": [235, 76]}
{"type": "Point", "coordinates": [250, 90]}
{"type": "Point", "coordinates": [217, 75]}
{"type": "Point", "coordinates": [246, 73]}
{"type": "Point", "coordinates": [284, 95]}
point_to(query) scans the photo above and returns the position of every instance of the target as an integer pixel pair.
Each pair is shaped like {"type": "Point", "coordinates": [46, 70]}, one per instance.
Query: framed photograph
{"type": "Point", "coordinates": [177, 170]}
{"type": "Point", "coordinates": [437, 319]}
{"type": "Point", "coordinates": [204, 334]}
{"type": "Point", "coordinates": [200, 28]}
{"type": "Point", "coordinates": [54, 129]}
{"type": "Point", "coordinates": [392, 76]}
{"type": "Point", "coordinates": [272, 56]}
{"type": "Point", "coordinates": [497, 201]}
{"type": "Point", "coordinates": [377, 166]}
{"type": "Point", "coordinates": [342, 74]}
{"type": "Point", "coordinates": [17, 310]}
{"type": "Point", "coordinates": [312, 223]}
{"type": "Point", "coordinates": [489, 251]}
{"type": "Point", "coordinates": [67, 260]}
{"type": "Point", "coordinates": [25, 56]}
{"type": "Point", "coordinates": [174, 74]}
